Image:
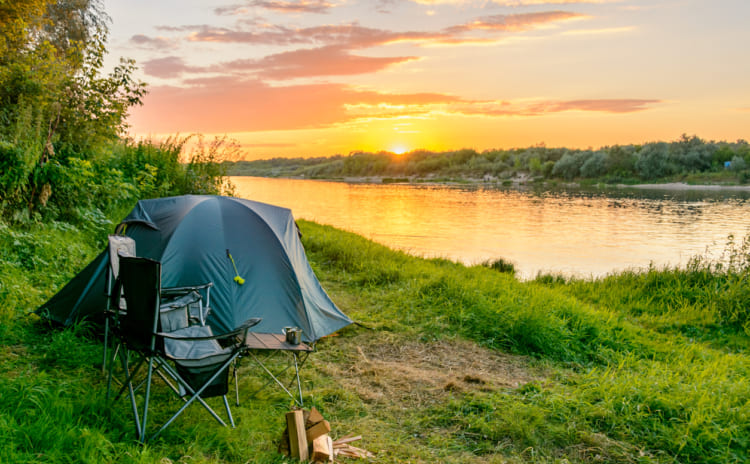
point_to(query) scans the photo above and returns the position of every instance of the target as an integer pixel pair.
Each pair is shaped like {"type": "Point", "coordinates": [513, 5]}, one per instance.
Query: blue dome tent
{"type": "Point", "coordinates": [201, 239]}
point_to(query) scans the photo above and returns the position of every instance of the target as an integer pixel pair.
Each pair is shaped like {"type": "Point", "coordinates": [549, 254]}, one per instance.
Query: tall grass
{"type": "Point", "coordinates": [708, 298]}
{"type": "Point", "coordinates": [625, 391]}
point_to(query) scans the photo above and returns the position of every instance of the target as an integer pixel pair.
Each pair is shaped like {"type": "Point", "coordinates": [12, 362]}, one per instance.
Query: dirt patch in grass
{"type": "Point", "coordinates": [388, 369]}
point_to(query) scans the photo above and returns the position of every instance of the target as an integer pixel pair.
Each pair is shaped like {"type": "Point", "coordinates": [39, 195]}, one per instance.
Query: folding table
{"type": "Point", "coordinates": [270, 344]}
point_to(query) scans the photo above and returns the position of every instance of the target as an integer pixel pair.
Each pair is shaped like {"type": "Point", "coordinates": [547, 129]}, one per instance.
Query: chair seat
{"type": "Point", "coordinates": [173, 303]}
{"type": "Point", "coordinates": [195, 353]}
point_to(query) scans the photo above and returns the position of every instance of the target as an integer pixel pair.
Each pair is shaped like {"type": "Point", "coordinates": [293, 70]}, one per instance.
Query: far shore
{"type": "Point", "coordinates": [684, 186]}
{"type": "Point", "coordinates": [520, 181]}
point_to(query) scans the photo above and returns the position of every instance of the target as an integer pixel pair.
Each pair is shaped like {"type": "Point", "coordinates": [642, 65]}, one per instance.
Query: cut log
{"type": "Point", "coordinates": [295, 423]}
{"type": "Point", "coordinates": [313, 417]}
{"type": "Point", "coordinates": [321, 428]}
{"type": "Point", "coordinates": [346, 439]}
{"type": "Point", "coordinates": [321, 451]}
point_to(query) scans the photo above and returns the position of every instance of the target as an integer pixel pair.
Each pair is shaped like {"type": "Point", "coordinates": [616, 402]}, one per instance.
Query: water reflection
{"type": "Point", "coordinates": [571, 232]}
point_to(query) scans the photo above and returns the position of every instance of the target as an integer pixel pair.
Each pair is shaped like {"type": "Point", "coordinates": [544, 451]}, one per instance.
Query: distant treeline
{"type": "Point", "coordinates": [689, 159]}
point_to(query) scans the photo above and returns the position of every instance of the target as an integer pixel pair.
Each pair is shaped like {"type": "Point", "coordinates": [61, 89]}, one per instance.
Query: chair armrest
{"type": "Point", "coordinates": [179, 290]}
{"type": "Point", "coordinates": [241, 330]}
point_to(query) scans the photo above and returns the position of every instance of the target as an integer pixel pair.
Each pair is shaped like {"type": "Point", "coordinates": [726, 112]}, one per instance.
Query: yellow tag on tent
{"type": "Point", "coordinates": [237, 277]}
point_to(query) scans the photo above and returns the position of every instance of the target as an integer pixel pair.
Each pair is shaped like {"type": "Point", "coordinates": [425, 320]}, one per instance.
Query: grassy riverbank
{"type": "Point", "coordinates": [456, 364]}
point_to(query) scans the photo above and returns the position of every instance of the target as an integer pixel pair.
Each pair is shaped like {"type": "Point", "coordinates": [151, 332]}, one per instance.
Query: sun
{"type": "Point", "coordinates": [399, 149]}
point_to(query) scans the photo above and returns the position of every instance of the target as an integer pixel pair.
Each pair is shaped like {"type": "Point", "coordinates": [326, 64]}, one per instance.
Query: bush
{"type": "Point", "coordinates": [569, 166]}
{"type": "Point", "coordinates": [654, 161]}
{"type": "Point", "coordinates": [738, 164]}
{"type": "Point", "coordinates": [595, 166]}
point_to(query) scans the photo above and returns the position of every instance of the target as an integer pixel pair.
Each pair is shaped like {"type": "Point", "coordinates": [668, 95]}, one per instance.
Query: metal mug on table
{"type": "Point", "coordinates": [293, 335]}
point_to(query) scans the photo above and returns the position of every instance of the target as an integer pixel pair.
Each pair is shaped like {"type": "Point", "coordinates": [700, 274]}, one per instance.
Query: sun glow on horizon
{"type": "Point", "coordinates": [399, 149]}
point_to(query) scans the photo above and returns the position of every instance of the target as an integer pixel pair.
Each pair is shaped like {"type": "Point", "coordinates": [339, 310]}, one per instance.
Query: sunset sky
{"type": "Point", "coordinates": [325, 77]}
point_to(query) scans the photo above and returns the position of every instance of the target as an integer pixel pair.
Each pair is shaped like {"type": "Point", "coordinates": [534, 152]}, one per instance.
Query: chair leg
{"type": "Point", "coordinates": [148, 394]}
{"type": "Point", "coordinates": [110, 368]}
{"type": "Point", "coordinates": [129, 384]}
{"type": "Point", "coordinates": [229, 411]}
{"type": "Point", "coordinates": [106, 344]}
{"type": "Point", "coordinates": [236, 384]}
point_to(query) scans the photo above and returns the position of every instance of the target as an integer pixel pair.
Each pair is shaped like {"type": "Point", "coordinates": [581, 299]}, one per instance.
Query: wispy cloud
{"type": "Point", "coordinates": [352, 35]}
{"type": "Point", "coordinates": [611, 30]}
{"type": "Point", "coordinates": [514, 22]}
{"type": "Point", "coordinates": [513, 2]}
{"type": "Point", "coordinates": [279, 6]}
{"type": "Point", "coordinates": [355, 36]}
{"type": "Point", "coordinates": [156, 43]}
{"type": "Point", "coordinates": [333, 45]}
{"type": "Point", "coordinates": [268, 145]}
{"type": "Point", "coordinates": [169, 67]}
{"type": "Point", "coordinates": [606, 105]}
{"type": "Point", "coordinates": [505, 108]}
{"type": "Point", "coordinates": [324, 61]}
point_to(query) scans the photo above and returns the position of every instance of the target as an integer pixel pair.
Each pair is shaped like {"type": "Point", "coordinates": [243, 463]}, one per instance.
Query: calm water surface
{"type": "Point", "coordinates": [574, 233]}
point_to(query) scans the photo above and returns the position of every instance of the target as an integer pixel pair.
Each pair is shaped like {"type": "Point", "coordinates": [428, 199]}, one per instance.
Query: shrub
{"type": "Point", "coordinates": [654, 162]}
{"type": "Point", "coordinates": [595, 165]}
{"type": "Point", "coordinates": [569, 166]}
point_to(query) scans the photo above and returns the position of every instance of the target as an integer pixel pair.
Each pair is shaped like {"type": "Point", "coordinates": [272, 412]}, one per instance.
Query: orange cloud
{"type": "Point", "coordinates": [226, 104]}
{"type": "Point", "coordinates": [222, 105]}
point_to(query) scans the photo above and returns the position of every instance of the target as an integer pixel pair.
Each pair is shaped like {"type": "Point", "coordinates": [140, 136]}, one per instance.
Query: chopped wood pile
{"type": "Point", "coordinates": [307, 437]}
{"type": "Point", "coordinates": [341, 447]}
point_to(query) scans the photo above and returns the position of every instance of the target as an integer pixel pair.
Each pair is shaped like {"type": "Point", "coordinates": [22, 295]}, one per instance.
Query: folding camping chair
{"type": "Point", "coordinates": [116, 245]}
{"type": "Point", "coordinates": [173, 298]}
{"type": "Point", "coordinates": [201, 364]}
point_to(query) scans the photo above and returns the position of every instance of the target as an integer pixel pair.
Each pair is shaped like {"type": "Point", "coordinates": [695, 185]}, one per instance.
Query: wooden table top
{"type": "Point", "coordinates": [272, 341]}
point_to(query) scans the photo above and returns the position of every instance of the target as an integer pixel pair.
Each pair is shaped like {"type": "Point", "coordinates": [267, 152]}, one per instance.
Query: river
{"type": "Point", "coordinates": [574, 233]}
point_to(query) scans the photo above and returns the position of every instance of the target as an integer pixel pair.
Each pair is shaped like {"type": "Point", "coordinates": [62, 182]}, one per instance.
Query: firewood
{"type": "Point", "coordinates": [313, 417]}
{"type": "Point", "coordinates": [297, 437]}
{"type": "Point", "coordinates": [346, 439]}
{"type": "Point", "coordinates": [321, 428]}
{"type": "Point", "coordinates": [320, 449]}
{"type": "Point", "coordinates": [342, 447]}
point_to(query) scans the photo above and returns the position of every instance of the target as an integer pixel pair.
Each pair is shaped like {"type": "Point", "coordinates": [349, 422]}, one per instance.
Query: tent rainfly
{"type": "Point", "coordinates": [199, 239]}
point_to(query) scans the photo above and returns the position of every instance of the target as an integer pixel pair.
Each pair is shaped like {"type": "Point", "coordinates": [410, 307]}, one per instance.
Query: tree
{"type": "Point", "coordinates": [692, 154]}
{"type": "Point", "coordinates": [54, 101]}
{"type": "Point", "coordinates": [569, 166]}
{"type": "Point", "coordinates": [595, 165]}
{"type": "Point", "coordinates": [654, 162]}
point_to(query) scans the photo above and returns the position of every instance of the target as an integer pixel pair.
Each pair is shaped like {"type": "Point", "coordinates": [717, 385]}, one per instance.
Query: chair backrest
{"type": "Point", "coordinates": [118, 245]}
{"type": "Point", "coordinates": [141, 283]}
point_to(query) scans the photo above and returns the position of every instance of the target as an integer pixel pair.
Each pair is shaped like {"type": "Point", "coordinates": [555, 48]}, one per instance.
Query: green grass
{"type": "Point", "coordinates": [634, 367]}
